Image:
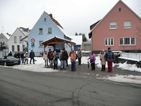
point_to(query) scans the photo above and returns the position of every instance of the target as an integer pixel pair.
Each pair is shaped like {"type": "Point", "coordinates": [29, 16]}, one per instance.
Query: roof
{"type": "Point", "coordinates": [58, 25]}
{"type": "Point", "coordinates": [25, 31]}
{"type": "Point", "coordinates": [56, 40]}
{"type": "Point", "coordinates": [77, 39]}
{"type": "Point", "coordinates": [55, 21]}
{"type": "Point", "coordinates": [7, 36]}
{"type": "Point", "coordinates": [90, 33]}
{"type": "Point", "coordinates": [92, 27]}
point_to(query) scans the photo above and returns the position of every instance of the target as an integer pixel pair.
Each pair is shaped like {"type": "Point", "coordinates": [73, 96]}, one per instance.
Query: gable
{"type": "Point", "coordinates": [115, 15]}
{"type": "Point", "coordinates": [17, 32]}
{"type": "Point", "coordinates": [50, 22]}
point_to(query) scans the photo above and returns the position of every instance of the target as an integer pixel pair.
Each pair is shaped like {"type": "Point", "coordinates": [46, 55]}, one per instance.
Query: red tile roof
{"type": "Point", "coordinates": [55, 21]}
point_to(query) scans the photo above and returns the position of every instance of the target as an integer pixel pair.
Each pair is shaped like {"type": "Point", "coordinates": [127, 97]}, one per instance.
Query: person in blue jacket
{"type": "Point", "coordinates": [109, 56]}
{"type": "Point", "coordinates": [32, 55]}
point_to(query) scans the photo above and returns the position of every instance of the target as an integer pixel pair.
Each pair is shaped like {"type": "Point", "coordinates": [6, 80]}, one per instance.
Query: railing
{"type": "Point", "coordinates": [131, 55]}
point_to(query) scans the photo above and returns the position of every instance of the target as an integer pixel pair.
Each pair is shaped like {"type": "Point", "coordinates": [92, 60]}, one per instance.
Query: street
{"type": "Point", "coordinates": [25, 88]}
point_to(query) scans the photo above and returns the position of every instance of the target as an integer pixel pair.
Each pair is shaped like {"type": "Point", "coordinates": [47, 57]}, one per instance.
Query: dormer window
{"type": "Point", "coordinates": [44, 19]}
{"type": "Point", "coordinates": [119, 9]}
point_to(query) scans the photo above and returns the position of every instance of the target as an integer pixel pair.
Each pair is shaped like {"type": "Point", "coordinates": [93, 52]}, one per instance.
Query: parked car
{"type": "Point", "coordinates": [9, 60]}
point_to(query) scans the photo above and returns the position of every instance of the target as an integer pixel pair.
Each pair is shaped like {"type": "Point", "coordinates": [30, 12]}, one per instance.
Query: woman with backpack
{"type": "Point", "coordinates": [92, 60]}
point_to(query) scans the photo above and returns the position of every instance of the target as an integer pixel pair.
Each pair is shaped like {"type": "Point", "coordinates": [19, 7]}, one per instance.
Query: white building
{"type": "Point", "coordinates": [14, 42]}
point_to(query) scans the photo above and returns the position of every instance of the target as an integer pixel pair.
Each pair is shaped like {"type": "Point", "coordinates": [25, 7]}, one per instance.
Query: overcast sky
{"type": "Point", "coordinates": [73, 15]}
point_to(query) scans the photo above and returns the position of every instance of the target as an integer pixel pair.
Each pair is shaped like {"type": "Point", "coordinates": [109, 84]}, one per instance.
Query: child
{"type": "Point", "coordinates": [92, 60]}
{"type": "Point", "coordinates": [26, 57]}
{"type": "Point", "coordinates": [103, 61]}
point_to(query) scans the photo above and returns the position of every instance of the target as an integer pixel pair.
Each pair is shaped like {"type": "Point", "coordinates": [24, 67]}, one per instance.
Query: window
{"type": "Point", "coordinates": [13, 49]}
{"type": "Point", "coordinates": [119, 9]}
{"type": "Point", "coordinates": [1, 37]}
{"type": "Point", "coordinates": [15, 39]}
{"type": "Point", "coordinates": [23, 47]}
{"type": "Point", "coordinates": [113, 25]}
{"type": "Point", "coordinates": [127, 24]}
{"type": "Point", "coordinates": [40, 31]}
{"type": "Point", "coordinates": [127, 41]}
{"type": "Point", "coordinates": [109, 41]}
{"type": "Point", "coordinates": [18, 47]}
{"type": "Point", "coordinates": [44, 19]}
{"type": "Point", "coordinates": [40, 44]}
{"type": "Point", "coordinates": [20, 37]}
{"type": "Point", "coordinates": [49, 30]}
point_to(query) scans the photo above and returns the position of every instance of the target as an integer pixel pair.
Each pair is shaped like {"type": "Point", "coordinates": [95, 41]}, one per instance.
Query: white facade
{"type": "Point", "coordinates": [14, 42]}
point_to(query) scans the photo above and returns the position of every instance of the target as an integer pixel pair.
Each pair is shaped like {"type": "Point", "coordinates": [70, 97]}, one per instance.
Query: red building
{"type": "Point", "coordinates": [118, 30]}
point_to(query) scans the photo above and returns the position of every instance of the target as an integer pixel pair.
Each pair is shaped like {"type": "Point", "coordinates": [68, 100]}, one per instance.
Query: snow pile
{"type": "Point", "coordinates": [130, 67]}
{"type": "Point", "coordinates": [124, 78]}
{"type": "Point", "coordinates": [123, 66]}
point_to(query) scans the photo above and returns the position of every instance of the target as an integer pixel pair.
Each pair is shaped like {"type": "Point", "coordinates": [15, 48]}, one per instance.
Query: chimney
{"type": "Point", "coordinates": [51, 16]}
{"type": "Point", "coordinates": [8, 34]}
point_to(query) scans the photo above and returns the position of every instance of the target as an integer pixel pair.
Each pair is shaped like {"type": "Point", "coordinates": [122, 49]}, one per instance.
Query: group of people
{"type": "Point", "coordinates": [23, 57]}
{"type": "Point", "coordinates": [53, 56]}
{"type": "Point", "coordinates": [108, 56]}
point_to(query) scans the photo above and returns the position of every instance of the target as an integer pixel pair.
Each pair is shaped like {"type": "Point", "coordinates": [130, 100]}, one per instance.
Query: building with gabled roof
{"type": "Point", "coordinates": [15, 43]}
{"type": "Point", "coordinates": [118, 30]}
{"type": "Point", "coordinates": [44, 29]}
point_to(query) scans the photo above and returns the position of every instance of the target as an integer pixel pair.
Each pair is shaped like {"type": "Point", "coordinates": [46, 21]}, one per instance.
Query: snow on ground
{"type": "Point", "coordinates": [37, 67]}
{"type": "Point", "coordinates": [124, 78]}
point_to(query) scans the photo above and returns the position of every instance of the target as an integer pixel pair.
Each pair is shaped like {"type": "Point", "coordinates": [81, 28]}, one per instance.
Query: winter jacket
{"type": "Point", "coordinates": [10, 54]}
{"type": "Point", "coordinates": [50, 55]}
{"type": "Point", "coordinates": [92, 57]}
{"type": "Point", "coordinates": [22, 56]}
{"type": "Point", "coordinates": [64, 56]}
{"type": "Point", "coordinates": [15, 55]}
{"type": "Point", "coordinates": [32, 55]}
{"type": "Point", "coordinates": [73, 57]}
{"type": "Point", "coordinates": [79, 54]}
{"type": "Point", "coordinates": [18, 55]}
{"type": "Point", "coordinates": [26, 56]}
{"type": "Point", "coordinates": [102, 58]}
{"type": "Point", "coordinates": [45, 56]}
{"type": "Point", "coordinates": [109, 56]}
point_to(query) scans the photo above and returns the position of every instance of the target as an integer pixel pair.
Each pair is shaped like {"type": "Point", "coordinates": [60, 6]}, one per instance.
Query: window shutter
{"type": "Point", "coordinates": [127, 24]}
{"type": "Point", "coordinates": [113, 23]}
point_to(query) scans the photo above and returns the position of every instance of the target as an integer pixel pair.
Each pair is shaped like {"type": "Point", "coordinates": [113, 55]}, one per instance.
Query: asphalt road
{"type": "Point", "coordinates": [23, 88]}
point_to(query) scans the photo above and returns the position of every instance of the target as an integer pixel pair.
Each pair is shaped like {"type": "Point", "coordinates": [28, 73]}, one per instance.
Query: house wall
{"type": "Point", "coordinates": [45, 36]}
{"type": "Point", "coordinates": [103, 29]}
{"type": "Point", "coordinates": [17, 33]}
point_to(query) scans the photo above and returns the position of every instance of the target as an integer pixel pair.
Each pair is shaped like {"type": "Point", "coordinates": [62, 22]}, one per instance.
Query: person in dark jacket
{"type": "Point", "coordinates": [50, 55]}
{"type": "Point", "coordinates": [22, 57]}
{"type": "Point", "coordinates": [32, 55]}
{"type": "Point", "coordinates": [55, 59]}
{"type": "Point", "coordinates": [18, 55]}
{"type": "Point", "coordinates": [109, 56]}
{"type": "Point", "coordinates": [79, 56]}
{"type": "Point", "coordinates": [67, 57]}
{"type": "Point", "coordinates": [15, 55]}
{"type": "Point", "coordinates": [63, 58]}
{"type": "Point", "coordinates": [10, 54]}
